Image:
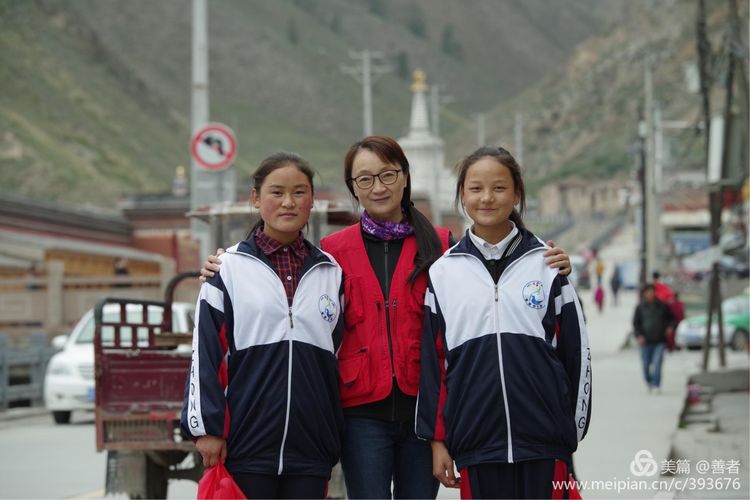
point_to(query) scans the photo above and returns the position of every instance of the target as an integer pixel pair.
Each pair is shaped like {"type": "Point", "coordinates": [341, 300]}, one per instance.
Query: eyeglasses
{"type": "Point", "coordinates": [386, 177]}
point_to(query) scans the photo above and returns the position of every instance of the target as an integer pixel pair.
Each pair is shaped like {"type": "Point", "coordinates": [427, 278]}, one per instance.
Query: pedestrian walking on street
{"type": "Point", "coordinates": [599, 269]}
{"type": "Point", "coordinates": [653, 324]}
{"type": "Point", "coordinates": [599, 297]}
{"type": "Point", "coordinates": [505, 389]}
{"type": "Point", "coordinates": [385, 257]}
{"type": "Point", "coordinates": [677, 307]}
{"type": "Point", "coordinates": [615, 283]}
{"type": "Point", "coordinates": [663, 291]}
{"type": "Point", "coordinates": [666, 294]}
{"type": "Point", "coordinates": [262, 394]}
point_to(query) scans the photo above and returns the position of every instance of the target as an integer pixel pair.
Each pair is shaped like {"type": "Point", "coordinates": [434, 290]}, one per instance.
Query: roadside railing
{"type": "Point", "coordinates": [22, 369]}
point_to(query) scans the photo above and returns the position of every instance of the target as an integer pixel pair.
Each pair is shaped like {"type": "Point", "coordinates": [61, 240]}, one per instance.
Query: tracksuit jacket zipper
{"type": "Point", "coordinates": [291, 351]}
{"type": "Point", "coordinates": [388, 315]}
{"type": "Point", "coordinates": [496, 325]}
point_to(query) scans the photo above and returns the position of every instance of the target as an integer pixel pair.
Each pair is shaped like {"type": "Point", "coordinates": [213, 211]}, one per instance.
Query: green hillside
{"type": "Point", "coordinates": [94, 95]}
{"type": "Point", "coordinates": [76, 130]}
{"type": "Point", "coordinates": [582, 119]}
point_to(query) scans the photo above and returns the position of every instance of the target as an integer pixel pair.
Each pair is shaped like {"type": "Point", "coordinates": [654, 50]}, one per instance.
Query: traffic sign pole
{"type": "Point", "coordinates": [218, 147]}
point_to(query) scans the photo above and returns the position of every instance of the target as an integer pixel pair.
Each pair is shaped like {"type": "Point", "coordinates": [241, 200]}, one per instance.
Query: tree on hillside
{"type": "Point", "coordinates": [336, 23]}
{"type": "Point", "coordinates": [449, 44]}
{"type": "Point", "coordinates": [415, 22]}
{"type": "Point", "coordinates": [402, 65]}
{"type": "Point", "coordinates": [310, 6]}
{"type": "Point", "coordinates": [377, 7]}
{"type": "Point", "coordinates": [291, 32]}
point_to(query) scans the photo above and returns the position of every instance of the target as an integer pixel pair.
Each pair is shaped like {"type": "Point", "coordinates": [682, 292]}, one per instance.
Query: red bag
{"type": "Point", "coordinates": [217, 483]}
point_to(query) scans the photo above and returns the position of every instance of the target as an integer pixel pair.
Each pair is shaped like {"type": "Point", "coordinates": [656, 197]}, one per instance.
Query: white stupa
{"type": "Point", "coordinates": [430, 179]}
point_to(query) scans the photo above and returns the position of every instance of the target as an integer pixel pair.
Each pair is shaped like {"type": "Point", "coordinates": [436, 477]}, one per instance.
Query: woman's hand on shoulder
{"type": "Point", "coordinates": [211, 266]}
{"type": "Point", "coordinates": [557, 258]}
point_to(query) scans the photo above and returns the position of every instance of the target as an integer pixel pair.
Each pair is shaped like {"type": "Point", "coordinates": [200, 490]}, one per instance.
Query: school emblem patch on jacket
{"type": "Point", "coordinates": [327, 308]}
{"type": "Point", "coordinates": [533, 294]}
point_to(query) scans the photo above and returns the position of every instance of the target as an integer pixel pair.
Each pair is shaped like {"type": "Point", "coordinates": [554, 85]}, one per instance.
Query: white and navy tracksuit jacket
{"type": "Point", "coordinates": [267, 367]}
{"type": "Point", "coordinates": [506, 373]}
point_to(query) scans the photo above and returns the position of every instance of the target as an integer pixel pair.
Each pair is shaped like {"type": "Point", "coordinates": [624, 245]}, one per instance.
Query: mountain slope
{"type": "Point", "coordinates": [582, 119]}
{"type": "Point", "coordinates": [95, 96]}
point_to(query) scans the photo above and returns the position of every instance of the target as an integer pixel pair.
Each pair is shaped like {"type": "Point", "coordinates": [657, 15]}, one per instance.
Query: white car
{"type": "Point", "coordinates": [69, 381]}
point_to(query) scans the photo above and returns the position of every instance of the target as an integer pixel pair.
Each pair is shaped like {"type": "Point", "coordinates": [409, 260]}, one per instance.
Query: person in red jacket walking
{"type": "Point", "coordinates": [663, 291]}
{"type": "Point", "coordinates": [385, 257]}
{"type": "Point", "coordinates": [677, 307]}
{"type": "Point", "coordinates": [666, 294]}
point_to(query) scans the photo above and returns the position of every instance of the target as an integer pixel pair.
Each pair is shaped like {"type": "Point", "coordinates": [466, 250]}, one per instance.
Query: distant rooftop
{"type": "Point", "coordinates": [26, 214]}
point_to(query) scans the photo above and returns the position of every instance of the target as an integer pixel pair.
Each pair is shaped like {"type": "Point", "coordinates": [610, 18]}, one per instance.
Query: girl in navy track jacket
{"type": "Point", "coordinates": [384, 258]}
{"type": "Point", "coordinates": [505, 387]}
{"type": "Point", "coordinates": [262, 394]}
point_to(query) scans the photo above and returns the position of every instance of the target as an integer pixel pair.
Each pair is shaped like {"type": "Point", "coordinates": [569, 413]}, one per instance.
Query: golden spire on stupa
{"type": "Point", "coordinates": [420, 81]}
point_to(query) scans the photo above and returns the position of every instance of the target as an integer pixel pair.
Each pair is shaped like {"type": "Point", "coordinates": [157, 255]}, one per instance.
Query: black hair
{"type": "Point", "coordinates": [275, 162]}
{"type": "Point", "coordinates": [389, 151]}
{"type": "Point", "coordinates": [504, 158]}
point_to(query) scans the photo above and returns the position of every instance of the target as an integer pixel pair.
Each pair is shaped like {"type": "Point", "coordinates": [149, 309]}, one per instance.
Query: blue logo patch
{"type": "Point", "coordinates": [533, 294]}
{"type": "Point", "coordinates": [327, 308]}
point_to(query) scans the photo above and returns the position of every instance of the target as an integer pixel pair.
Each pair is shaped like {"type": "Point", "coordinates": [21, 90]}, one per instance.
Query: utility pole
{"type": "Point", "coordinates": [518, 136]}
{"type": "Point", "coordinates": [206, 187]}
{"type": "Point", "coordinates": [200, 180]}
{"type": "Point", "coordinates": [436, 102]}
{"type": "Point", "coordinates": [740, 68]}
{"type": "Point", "coordinates": [365, 72]}
{"type": "Point", "coordinates": [658, 154]}
{"type": "Point", "coordinates": [719, 196]}
{"type": "Point", "coordinates": [716, 189]}
{"type": "Point", "coordinates": [435, 109]}
{"type": "Point", "coordinates": [643, 278]}
{"type": "Point", "coordinates": [652, 223]}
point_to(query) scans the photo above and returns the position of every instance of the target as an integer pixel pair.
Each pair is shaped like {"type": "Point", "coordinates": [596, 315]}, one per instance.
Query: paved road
{"type": "Point", "coordinates": [626, 418]}
{"type": "Point", "coordinates": [41, 460]}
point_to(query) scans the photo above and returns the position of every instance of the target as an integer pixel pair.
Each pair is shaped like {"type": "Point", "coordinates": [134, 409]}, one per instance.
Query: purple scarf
{"type": "Point", "coordinates": [385, 230]}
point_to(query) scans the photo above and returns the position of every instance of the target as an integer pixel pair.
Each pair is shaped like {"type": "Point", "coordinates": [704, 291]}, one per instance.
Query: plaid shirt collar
{"type": "Point", "coordinates": [269, 245]}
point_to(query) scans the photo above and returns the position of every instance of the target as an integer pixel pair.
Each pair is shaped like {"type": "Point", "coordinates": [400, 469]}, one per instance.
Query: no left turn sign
{"type": "Point", "coordinates": [214, 147]}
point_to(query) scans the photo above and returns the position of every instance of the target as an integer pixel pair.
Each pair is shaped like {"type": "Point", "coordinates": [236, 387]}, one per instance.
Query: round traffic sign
{"type": "Point", "coordinates": [214, 147]}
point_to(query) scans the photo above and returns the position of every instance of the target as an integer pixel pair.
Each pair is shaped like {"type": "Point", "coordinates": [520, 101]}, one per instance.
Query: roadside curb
{"type": "Point", "coordinates": [22, 412]}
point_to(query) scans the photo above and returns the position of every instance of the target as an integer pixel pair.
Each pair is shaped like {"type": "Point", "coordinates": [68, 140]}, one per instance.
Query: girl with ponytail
{"type": "Point", "coordinates": [505, 389]}
{"type": "Point", "coordinates": [385, 258]}
{"type": "Point", "coordinates": [262, 392]}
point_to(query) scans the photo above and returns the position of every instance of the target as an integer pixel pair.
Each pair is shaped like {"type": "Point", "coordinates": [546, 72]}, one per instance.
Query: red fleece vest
{"type": "Point", "coordinates": [365, 367]}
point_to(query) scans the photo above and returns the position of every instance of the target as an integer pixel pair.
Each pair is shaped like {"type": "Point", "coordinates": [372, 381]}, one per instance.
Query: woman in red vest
{"type": "Point", "coordinates": [385, 257]}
